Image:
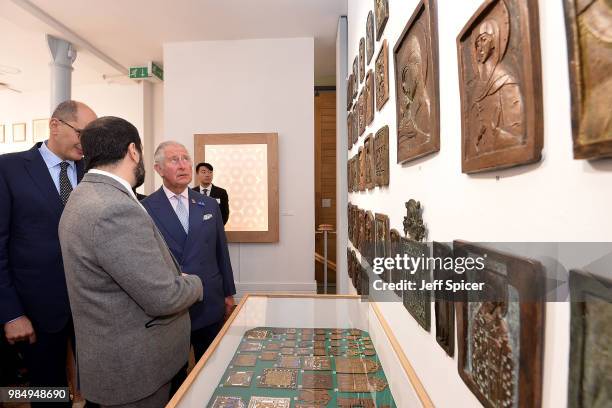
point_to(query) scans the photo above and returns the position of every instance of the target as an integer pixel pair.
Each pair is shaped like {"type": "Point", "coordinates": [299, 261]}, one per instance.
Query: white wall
{"type": "Point", "coordinates": [252, 86]}
{"type": "Point", "coordinates": [557, 199]}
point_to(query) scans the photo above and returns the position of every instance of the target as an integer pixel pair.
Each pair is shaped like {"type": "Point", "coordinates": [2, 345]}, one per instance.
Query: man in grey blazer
{"type": "Point", "coordinates": [129, 299]}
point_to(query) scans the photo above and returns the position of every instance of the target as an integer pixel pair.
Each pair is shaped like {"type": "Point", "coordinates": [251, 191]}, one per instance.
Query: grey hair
{"type": "Point", "coordinates": [160, 152]}
{"type": "Point", "coordinates": [66, 110]}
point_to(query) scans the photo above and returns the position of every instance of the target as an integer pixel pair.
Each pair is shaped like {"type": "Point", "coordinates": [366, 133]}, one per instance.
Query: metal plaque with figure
{"type": "Point", "coordinates": [381, 70]}
{"type": "Point", "coordinates": [355, 76]}
{"type": "Point", "coordinates": [590, 372]}
{"type": "Point", "coordinates": [417, 85]}
{"type": "Point", "coordinates": [382, 240]}
{"type": "Point", "coordinates": [355, 123]}
{"type": "Point", "coordinates": [361, 169]}
{"type": "Point", "coordinates": [370, 37]}
{"type": "Point", "coordinates": [381, 9]}
{"type": "Point", "coordinates": [381, 157]}
{"type": "Point", "coordinates": [501, 87]}
{"type": "Point", "coordinates": [349, 130]}
{"type": "Point", "coordinates": [349, 92]}
{"type": "Point", "coordinates": [361, 59]}
{"type": "Point", "coordinates": [589, 37]}
{"type": "Point", "coordinates": [361, 104]}
{"type": "Point", "coordinates": [370, 176]}
{"type": "Point", "coordinates": [444, 306]}
{"type": "Point", "coordinates": [368, 243]}
{"type": "Point", "coordinates": [500, 329]}
{"type": "Point", "coordinates": [369, 98]}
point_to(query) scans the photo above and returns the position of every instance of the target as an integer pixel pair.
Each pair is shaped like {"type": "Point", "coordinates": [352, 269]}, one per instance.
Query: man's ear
{"type": "Point", "coordinates": [133, 152]}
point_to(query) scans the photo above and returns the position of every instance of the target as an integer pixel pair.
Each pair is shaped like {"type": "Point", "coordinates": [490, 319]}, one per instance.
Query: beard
{"type": "Point", "coordinates": [139, 173]}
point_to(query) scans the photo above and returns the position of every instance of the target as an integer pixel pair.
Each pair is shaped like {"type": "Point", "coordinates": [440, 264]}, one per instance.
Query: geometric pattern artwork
{"type": "Point", "coordinates": [246, 183]}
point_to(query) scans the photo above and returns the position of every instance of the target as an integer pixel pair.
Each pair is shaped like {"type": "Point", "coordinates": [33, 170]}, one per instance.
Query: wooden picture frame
{"type": "Point", "coordinates": [19, 132]}
{"type": "Point", "coordinates": [417, 84]}
{"type": "Point", "coordinates": [381, 70]}
{"type": "Point", "coordinates": [590, 68]}
{"type": "Point", "coordinates": [590, 338]}
{"type": "Point", "coordinates": [500, 329]}
{"type": "Point", "coordinates": [489, 140]}
{"type": "Point", "coordinates": [381, 8]}
{"type": "Point", "coordinates": [264, 142]}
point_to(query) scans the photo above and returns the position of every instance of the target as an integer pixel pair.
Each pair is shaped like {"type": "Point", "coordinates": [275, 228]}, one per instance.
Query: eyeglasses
{"type": "Point", "coordinates": [77, 131]}
{"type": "Point", "coordinates": [176, 160]}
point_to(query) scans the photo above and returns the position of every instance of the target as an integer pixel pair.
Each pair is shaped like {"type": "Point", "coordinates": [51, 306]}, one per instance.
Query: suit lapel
{"type": "Point", "coordinates": [195, 220]}
{"type": "Point", "coordinates": [38, 171]}
{"type": "Point", "coordinates": [167, 217]}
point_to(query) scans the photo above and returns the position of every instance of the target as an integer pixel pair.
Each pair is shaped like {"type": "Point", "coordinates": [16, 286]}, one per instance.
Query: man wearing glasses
{"type": "Point", "coordinates": [34, 188]}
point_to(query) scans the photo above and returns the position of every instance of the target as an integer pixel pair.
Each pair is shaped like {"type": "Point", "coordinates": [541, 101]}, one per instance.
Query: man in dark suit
{"type": "Point", "coordinates": [34, 187]}
{"type": "Point", "coordinates": [204, 175]}
{"type": "Point", "coordinates": [192, 226]}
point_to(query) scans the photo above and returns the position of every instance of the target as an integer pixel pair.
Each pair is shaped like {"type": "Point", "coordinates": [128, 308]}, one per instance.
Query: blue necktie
{"type": "Point", "coordinates": [181, 213]}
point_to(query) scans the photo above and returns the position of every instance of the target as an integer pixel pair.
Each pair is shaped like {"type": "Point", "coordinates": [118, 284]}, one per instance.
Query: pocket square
{"type": "Point", "coordinates": [207, 217]}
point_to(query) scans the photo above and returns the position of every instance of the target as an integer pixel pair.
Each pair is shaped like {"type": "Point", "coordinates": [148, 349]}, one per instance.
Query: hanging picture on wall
{"type": "Point", "coordinates": [349, 130]}
{"type": "Point", "coordinates": [355, 77]}
{"type": "Point", "coordinates": [355, 123]}
{"type": "Point", "coordinates": [349, 93]}
{"type": "Point", "coordinates": [590, 377]}
{"type": "Point", "coordinates": [382, 76]}
{"type": "Point", "coordinates": [19, 132]}
{"type": "Point", "coordinates": [369, 92]}
{"type": "Point", "coordinates": [368, 146]}
{"type": "Point", "coordinates": [362, 164]}
{"type": "Point", "coordinates": [381, 157]}
{"type": "Point", "coordinates": [361, 102]}
{"type": "Point", "coordinates": [417, 85]}
{"type": "Point", "coordinates": [444, 305]}
{"type": "Point", "coordinates": [361, 59]}
{"type": "Point", "coordinates": [370, 36]}
{"type": "Point", "coordinates": [589, 37]}
{"type": "Point", "coordinates": [382, 241]}
{"type": "Point", "coordinates": [40, 130]}
{"type": "Point", "coordinates": [381, 9]}
{"type": "Point", "coordinates": [500, 328]}
{"type": "Point", "coordinates": [368, 243]}
{"type": "Point", "coordinates": [2, 134]}
{"type": "Point", "coordinates": [500, 86]}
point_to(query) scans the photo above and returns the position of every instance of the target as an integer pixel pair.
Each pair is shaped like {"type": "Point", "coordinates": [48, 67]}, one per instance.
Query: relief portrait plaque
{"type": "Point", "coordinates": [381, 70]}
{"type": "Point", "coordinates": [500, 329]}
{"type": "Point", "coordinates": [361, 105]}
{"type": "Point", "coordinates": [361, 59]}
{"type": "Point", "coordinates": [444, 306]}
{"type": "Point", "coordinates": [382, 240]}
{"type": "Point", "coordinates": [349, 130]}
{"type": "Point", "coordinates": [362, 225]}
{"type": "Point", "coordinates": [349, 93]}
{"type": "Point", "coordinates": [368, 245]}
{"type": "Point", "coordinates": [381, 9]}
{"type": "Point", "coordinates": [222, 401]}
{"type": "Point", "coordinates": [370, 175]}
{"type": "Point", "coordinates": [362, 163]}
{"type": "Point", "coordinates": [500, 86]}
{"type": "Point", "coordinates": [417, 85]}
{"type": "Point", "coordinates": [369, 97]}
{"type": "Point", "coordinates": [317, 381]}
{"type": "Point", "coordinates": [381, 157]}
{"type": "Point", "coordinates": [590, 372]}
{"type": "Point", "coordinates": [589, 38]}
{"type": "Point", "coordinates": [278, 378]}
{"type": "Point", "coordinates": [370, 36]}
{"type": "Point", "coordinates": [355, 123]}
{"type": "Point", "coordinates": [355, 77]}
{"type": "Point", "coordinates": [269, 402]}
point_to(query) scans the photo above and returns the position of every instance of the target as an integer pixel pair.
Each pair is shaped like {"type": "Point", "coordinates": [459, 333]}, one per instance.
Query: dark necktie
{"type": "Point", "coordinates": [205, 191]}
{"type": "Point", "coordinates": [64, 182]}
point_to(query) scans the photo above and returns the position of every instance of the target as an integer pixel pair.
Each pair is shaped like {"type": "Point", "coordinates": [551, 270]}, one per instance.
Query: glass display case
{"type": "Point", "coordinates": [293, 351]}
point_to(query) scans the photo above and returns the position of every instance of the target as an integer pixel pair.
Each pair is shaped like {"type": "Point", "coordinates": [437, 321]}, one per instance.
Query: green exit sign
{"type": "Point", "coordinates": [139, 72]}
{"type": "Point", "coordinates": [150, 71]}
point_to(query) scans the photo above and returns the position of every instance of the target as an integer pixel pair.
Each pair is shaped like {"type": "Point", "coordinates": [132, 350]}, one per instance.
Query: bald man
{"type": "Point", "coordinates": [34, 188]}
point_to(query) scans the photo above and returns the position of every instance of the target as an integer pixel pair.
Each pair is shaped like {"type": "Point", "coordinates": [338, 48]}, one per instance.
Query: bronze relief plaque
{"type": "Point", "coordinates": [356, 365]}
{"type": "Point", "coordinates": [369, 97]}
{"type": "Point", "coordinates": [349, 130]}
{"type": "Point", "coordinates": [417, 85]}
{"type": "Point", "coordinates": [269, 402]}
{"type": "Point", "coordinates": [250, 346]}
{"type": "Point", "coordinates": [289, 362]}
{"type": "Point", "coordinates": [381, 9]}
{"type": "Point", "coordinates": [382, 238]}
{"type": "Point", "coordinates": [360, 383]}
{"type": "Point", "coordinates": [268, 356]}
{"type": "Point", "coordinates": [317, 381]}
{"type": "Point", "coordinates": [239, 379]}
{"type": "Point", "coordinates": [370, 36]}
{"type": "Point", "coordinates": [381, 157]}
{"type": "Point", "coordinates": [361, 169]}
{"type": "Point", "coordinates": [589, 38]}
{"type": "Point", "coordinates": [316, 397]}
{"type": "Point", "coordinates": [590, 373]}
{"type": "Point", "coordinates": [444, 305]}
{"type": "Point", "coordinates": [245, 360]}
{"type": "Point", "coordinates": [316, 363]}
{"type": "Point", "coordinates": [278, 378]}
{"type": "Point", "coordinates": [368, 248]}
{"type": "Point", "coordinates": [361, 107]}
{"type": "Point", "coordinates": [222, 401]}
{"type": "Point", "coordinates": [500, 329]}
{"type": "Point", "coordinates": [256, 334]}
{"type": "Point", "coordinates": [368, 147]}
{"type": "Point", "coordinates": [361, 59]}
{"type": "Point", "coordinates": [500, 84]}
{"type": "Point", "coordinates": [382, 76]}
{"type": "Point", "coordinates": [355, 123]}
{"type": "Point", "coordinates": [272, 347]}
{"type": "Point", "coordinates": [417, 302]}
{"type": "Point", "coordinates": [287, 351]}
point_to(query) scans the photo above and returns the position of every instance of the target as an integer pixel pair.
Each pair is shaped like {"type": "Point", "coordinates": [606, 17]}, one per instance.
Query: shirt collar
{"type": "Point", "coordinates": [50, 158]}
{"type": "Point", "coordinates": [124, 183]}
{"type": "Point", "coordinates": [206, 188]}
{"type": "Point", "coordinates": [170, 194]}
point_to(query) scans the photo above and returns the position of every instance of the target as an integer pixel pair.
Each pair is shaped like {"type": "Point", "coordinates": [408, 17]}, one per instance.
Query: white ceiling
{"type": "Point", "coordinates": [133, 32]}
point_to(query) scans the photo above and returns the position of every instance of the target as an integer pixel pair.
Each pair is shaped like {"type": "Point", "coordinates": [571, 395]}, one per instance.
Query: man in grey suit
{"type": "Point", "coordinates": [129, 299]}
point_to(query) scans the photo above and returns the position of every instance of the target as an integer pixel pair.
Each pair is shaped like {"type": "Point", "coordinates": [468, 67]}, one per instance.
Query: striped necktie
{"type": "Point", "coordinates": [181, 213]}
{"type": "Point", "coordinates": [64, 182]}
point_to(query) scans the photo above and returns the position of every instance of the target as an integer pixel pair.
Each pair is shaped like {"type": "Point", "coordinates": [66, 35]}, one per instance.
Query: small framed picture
{"type": "Point", "coordinates": [40, 130]}
{"type": "Point", "coordinates": [19, 132]}
{"type": "Point", "coordinates": [2, 137]}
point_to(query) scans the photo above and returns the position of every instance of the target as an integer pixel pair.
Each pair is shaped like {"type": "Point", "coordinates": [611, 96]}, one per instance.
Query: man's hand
{"type": "Point", "coordinates": [229, 305]}
{"type": "Point", "coordinates": [19, 329]}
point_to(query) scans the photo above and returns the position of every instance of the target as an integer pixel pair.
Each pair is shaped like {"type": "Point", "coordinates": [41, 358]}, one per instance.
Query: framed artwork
{"type": "Point", "coordinates": [369, 97]}
{"type": "Point", "coordinates": [382, 240]}
{"type": "Point", "coordinates": [349, 130]}
{"type": "Point", "coordinates": [362, 107]}
{"type": "Point", "coordinates": [417, 85]}
{"type": "Point", "coordinates": [361, 59]}
{"type": "Point", "coordinates": [500, 86]}
{"type": "Point", "coordinates": [362, 167]}
{"type": "Point", "coordinates": [367, 250]}
{"type": "Point", "coordinates": [19, 132]}
{"type": "Point", "coordinates": [368, 147]}
{"type": "Point", "coordinates": [381, 157]}
{"type": "Point", "coordinates": [355, 77]}
{"type": "Point", "coordinates": [370, 36]}
{"type": "Point", "coordinates": [349, 93]}
{"type": "Point", "coordinates": [500, 329]}
{"type": "Point", "coordinates": [2, 134]}
{"type": "Point", "coordinates": [590, 378]}
{"type": "Point", "coordinates": [381, 9]}
{"type": "Point", "coordinates": [355, 122]}
{"type": "Point", "coordinates": [40, 130]}
{"type": "Point", "coordinates": [247, 166]}
{"type": "Point", "coordinates": [589, 44]}
{"type": "Point", "coordinates": [381, 70]}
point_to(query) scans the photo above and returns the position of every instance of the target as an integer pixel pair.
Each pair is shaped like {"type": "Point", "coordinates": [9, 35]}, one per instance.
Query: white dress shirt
{"type": "Point", "coordinates": [184, 197]}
